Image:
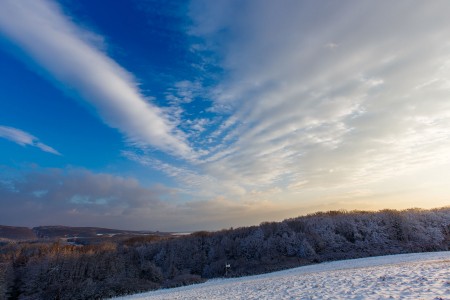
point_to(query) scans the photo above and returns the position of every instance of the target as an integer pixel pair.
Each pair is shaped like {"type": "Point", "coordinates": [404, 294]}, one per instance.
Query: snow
{"type": "Point", "coordinates": [403, 276]}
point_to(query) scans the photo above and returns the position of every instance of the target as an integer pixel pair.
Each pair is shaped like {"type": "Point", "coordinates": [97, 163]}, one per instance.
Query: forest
{"type": "Point", "coordinates": [56, 270]}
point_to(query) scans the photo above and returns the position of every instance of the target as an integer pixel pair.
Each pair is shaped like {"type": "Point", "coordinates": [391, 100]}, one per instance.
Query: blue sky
{"type": "Point", "coordinates": [188, 115]}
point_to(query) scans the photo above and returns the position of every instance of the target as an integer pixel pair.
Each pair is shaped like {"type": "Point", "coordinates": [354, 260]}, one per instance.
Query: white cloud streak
{"type": "Point", "coordinates": [24, 139]}
{"type": "Point", "coordinates": [67, 54]}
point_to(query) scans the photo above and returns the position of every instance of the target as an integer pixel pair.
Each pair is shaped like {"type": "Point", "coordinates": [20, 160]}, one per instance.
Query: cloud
{"type": "Point", "coordinates": [69, 56]}
{"type": "Point", "coordinates": [326, 94]}
{"type": "Point", "coordinates": [197, 183]}
{"type": "Point", "coordinates": [79, 197]}
{"type": "Point", "coordinates": [74, 197]}
{"type": "Point", "coordinates": [24, 138]}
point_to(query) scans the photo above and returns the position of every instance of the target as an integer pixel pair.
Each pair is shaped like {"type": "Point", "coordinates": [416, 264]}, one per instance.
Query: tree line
{"type": "Point", "coordinates": [42, 270]}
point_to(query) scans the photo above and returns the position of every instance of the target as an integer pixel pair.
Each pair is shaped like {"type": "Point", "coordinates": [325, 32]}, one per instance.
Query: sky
{"type": "Point", "coordinates": [203, 115]}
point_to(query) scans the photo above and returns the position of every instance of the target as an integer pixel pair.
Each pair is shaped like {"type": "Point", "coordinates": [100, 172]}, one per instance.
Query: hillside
{"type": "Point", "coordinates": [77, 235]}
{"type": "Point", "coordinates": [410, 276]}
{"type": "Point", "coordinates": [48, 269]}
{"type": "Point", "coordinates": [16, 233]}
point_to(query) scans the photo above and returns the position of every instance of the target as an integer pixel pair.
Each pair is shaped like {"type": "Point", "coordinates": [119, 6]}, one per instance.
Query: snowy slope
{"type": "Point", "coordinates": [404, 276]}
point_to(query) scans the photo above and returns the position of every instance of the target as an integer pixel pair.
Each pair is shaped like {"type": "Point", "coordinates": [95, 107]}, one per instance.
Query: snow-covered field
{"type": "Point", "coordinates": [404, 276]}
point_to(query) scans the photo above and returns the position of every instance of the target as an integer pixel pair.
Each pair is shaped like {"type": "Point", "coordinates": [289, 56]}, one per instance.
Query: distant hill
{"type": "Point", "coordinates": [17, 233]}
{"type": "Point", "coordinates": [66, 232]}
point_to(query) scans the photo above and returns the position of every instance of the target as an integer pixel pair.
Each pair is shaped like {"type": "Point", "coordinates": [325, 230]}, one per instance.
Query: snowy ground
{"type": "Point", "coordinates": [405, 276]}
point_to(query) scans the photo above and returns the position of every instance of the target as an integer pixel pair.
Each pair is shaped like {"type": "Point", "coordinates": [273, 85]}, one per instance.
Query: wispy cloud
{"type": "Point", "coordinates": [318, 101]}
{"type": "Point", "coordinates": [24, 139]}
{"type": "Point", "coordinates": [327, 94]}
{"type": "Point", "coordinates": [193, 181]}
{"type": "Point", "coordinates": [68, 54]}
